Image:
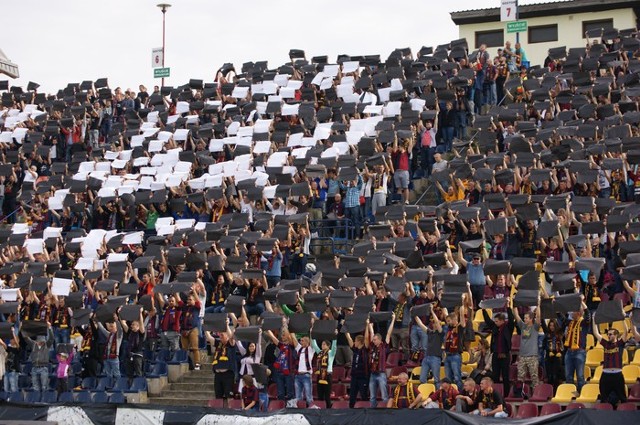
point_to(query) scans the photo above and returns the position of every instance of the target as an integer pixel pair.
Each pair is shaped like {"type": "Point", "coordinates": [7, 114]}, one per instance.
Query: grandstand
{"type": "Point", "coordinates": [159, 247]}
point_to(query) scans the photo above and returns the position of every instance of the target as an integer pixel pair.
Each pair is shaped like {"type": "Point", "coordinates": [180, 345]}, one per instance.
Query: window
{"type": "Point", "coordinates": [605, 24]}
{"type": "Point", "coordinates": [493, 38]}
{"type": "Point", "coordinates": [543, 34]}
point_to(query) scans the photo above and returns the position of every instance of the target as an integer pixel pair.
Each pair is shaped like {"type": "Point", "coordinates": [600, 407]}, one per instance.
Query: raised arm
{"type": "Point", "coordinates": [387, 339]}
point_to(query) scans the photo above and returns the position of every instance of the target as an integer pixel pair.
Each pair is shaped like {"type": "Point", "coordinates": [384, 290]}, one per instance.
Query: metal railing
{"type": "Point", "coordinates": [338, 234]}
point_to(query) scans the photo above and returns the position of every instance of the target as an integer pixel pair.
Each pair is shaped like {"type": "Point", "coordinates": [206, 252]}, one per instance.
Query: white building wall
{"type": "Point", "coordinates": [569, 31]}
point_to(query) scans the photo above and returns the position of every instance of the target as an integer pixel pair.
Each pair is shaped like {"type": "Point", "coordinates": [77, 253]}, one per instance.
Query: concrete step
{"type": "Point", "coordinates": [173, 401]}
{"type": "Point", "coordinates": [187, 395]}
{"type": "Point", "coordinates": [192, 386]}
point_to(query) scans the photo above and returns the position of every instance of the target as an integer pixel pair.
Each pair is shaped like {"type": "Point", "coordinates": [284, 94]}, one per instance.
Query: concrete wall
{"type": "Point", "coordinates": [570, 32]}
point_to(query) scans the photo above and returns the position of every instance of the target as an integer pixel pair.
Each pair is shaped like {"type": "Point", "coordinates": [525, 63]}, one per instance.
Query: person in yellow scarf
{"type": "Point", "coordinates": [575, 344]}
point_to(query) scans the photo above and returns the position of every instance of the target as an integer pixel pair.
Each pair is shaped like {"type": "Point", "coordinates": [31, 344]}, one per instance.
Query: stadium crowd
{"type": "Point", "coordinates": [201, 217]}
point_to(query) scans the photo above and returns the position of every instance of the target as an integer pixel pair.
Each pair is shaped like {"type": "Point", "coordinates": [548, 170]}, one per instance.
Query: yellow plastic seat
{"type": "Point", "coordinates": [625, 357]}
{"type": "Point", "coordinates": [636, 358]}
{"type": "Point", "coordinates": [564, 393]}
{"type": "Point", "coordinates": [595, 379]}
{"type": "Point", "coordinates": [426, 389]}
{"type": "Point", "coordinates": [589, 393]}
{"type": "Point", "coordinates": [465, 357]}
{"type": "Point", "coordinates": [631, 374]}
{"type": "Point", "coordinates": [415, 375]}
{"type": "Point", "coordinates": [591, 341]}
{"type": "Point", "coordinates": [595, 357]}
{"type": "Point", "coordinates": [466, 369]}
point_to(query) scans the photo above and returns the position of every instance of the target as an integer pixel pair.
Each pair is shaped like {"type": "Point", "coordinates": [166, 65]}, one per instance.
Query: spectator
{"type": "Point", "coordinates": [285, 365]}
{"type": "Point", "coordinates": [466, 400]}
{"type": "Point", "coordinates": [454, 346]}
{"type": "Point", "coordinates": [528, 355]}
{"type": "Point", "coordinates": [224, 363]}
{"type": "Point", "coordinates": [490, 402]}
{"type": "Point", "coordinates": [612, 382]}
{"type": "Point", "coordinates": [377, 355]}
{"type": "Point", "coordinates": [111, 357]}
{"type": "Point", "coordinates": [135, 336]}
{"type": "Point", "coordinates": [324, 368]}
{"type": "Point", "coordinates": [250, 398]}
{"type": "Point", "coordinates": [443, 398]}
{"type": "Point", "coordinates": [62, 372]}
{"type": "Point", "coordinates": [405, 395]}
{"type": "Point", "coordinates": [11, 362]}
{"type": "Point", "coordinates": [359, 369]}
{"type": "Point", "coordinates": [577, 328]}
{"type": "Point", "coordinates": [483, 357]}
{"type": "Point", "coordinates": [39, 358]}
{"type": "Point", "coordinates": [501, 328]}
{"type": "Point", "coordinates": [433, 356]}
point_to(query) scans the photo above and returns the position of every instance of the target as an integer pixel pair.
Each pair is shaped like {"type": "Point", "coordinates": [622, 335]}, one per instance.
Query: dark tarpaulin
{"type": "Point", "coordinates": [101, 414]}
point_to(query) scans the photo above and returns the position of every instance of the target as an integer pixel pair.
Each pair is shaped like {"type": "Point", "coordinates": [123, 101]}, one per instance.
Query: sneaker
{"type": "Point", "coordinates": [292, 404]}
{"type": "Point", "coordinates": [196, 367]}
{"type": "Point", "coordinates": [313, 406]}
{"type": "Point", "coordinates": [576, 394]}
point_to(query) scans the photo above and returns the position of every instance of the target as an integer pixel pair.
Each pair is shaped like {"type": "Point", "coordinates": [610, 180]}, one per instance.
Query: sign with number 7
{"type": "Point", "coordinates": [508, 10]}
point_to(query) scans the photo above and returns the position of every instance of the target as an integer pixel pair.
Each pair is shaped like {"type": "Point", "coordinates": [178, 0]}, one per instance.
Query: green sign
{"type": "Point", "coordinates": [161, 72]}
{"type": "Point", "coordinates": [516, 26]}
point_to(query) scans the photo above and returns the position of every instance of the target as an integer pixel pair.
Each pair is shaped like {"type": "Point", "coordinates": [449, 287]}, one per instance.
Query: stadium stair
{"type": "Point", "coordinates": [194, 388]}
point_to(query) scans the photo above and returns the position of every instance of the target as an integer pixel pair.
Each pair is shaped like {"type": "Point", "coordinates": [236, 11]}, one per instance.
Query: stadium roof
{"type": "Point", "coordinates": [7, 67]}
{"type": "Point", "coordinates": [476, 16]}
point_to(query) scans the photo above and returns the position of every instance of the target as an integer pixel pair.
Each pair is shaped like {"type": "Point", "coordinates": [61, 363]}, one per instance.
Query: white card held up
{"type": "Point", "coordinates": [34, 246]}
{"type": "Point", "coordinates": [117, 258]}
{"type": "Point", "coordinates": [9, 295]}
{"type": "Point", "coordinates": [85, 263]}
{"type": "Point", "coordinates": [61, 287]}
{"type": "Point", "coordinates": [133, 238]}
{"type": "Point", "coordinates": [52, 232]}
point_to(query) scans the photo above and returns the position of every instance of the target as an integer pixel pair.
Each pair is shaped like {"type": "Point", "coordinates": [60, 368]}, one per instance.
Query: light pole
{"type": "Point", "coordinates": [163, 7]}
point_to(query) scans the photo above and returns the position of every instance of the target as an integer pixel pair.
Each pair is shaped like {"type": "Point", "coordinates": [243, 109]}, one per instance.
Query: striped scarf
{"type": "Point", "coordinates": [573, 335]}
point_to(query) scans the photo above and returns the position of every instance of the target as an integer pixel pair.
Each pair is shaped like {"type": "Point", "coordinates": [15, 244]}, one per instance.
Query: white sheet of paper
{"type": "Point", "coordinates": [20, 229]}
{"type": "Point", "coordinates": [51, 232]}
{"type": "Point", "coordinates": [185, 223]}
{"type": "Point", "coordinates": [9, 295]}
{"type": "Point", "coordinates": [117, 258]}
{"type": "Point", "coordinates": [34, 246]}
{"type": "Point", "coordinates": [85, 263]}
{"type": "Point", "coordinates": [240, 92]}
{"type": "Point", "coordinates": [269, 192]}
{"type": "Point", "coordinates": [182, 107]}
{"type": "Point", "coordinates": [133, 238]}
{"type": "Point", "coordinates": [288, 110]}
{"type": "Point", "coordinates": [61, 287]}
{"type": "Point", "coordinates": [180, 134]}
{"type": "Point", "coordinates": [350, 66]}
{"type": "Point", "coordinates": [262, 147]}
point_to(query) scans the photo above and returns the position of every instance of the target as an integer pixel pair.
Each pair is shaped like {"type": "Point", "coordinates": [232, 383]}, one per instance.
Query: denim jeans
{"type": "Point", "coordinates": [574, 362]}
{"type": "Point", "coordinates": [431, 363]}
{"type": "Point", "coordinates": [303, 383]}
{"type": "Point", "coordinates": [11, 382]}
{"type": "Point", "coordinates": [353, 214]}
{"type": "Point", "coordinates": [378, 380]}
{"type": "Point", "coordinates": [418, 339]}
{"type": "Point", "coordinates": [111, 368]}
{"type": "Point", "coordinates": [214, 309]}
{"type": "Point", "coordinates": [497, 415]}
{"type": "Point", "coordinates": [285, 386]}
{"type": "Point", "coordinates": [447, 137]}
{"type": "Point", "coordinates": [61, 335]}
{"type": "Point", "coordinates": [264, 401]}
{"type": "Point", "coordinates": [453, 368]}
{"type": "Point", "coordinates": [40, 378]}
{"type": "Point", "coordinates": [255, 310]}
